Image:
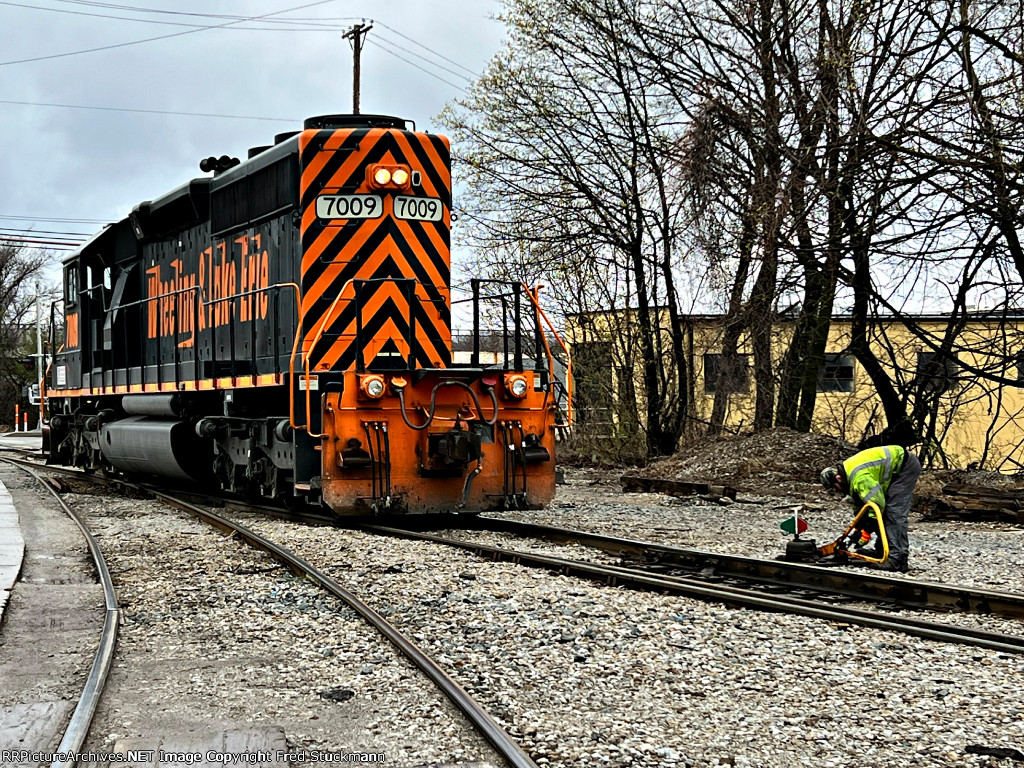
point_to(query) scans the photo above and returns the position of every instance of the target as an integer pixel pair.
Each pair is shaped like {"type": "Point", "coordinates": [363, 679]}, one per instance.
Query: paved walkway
{"type": "Point", "coordinates": [12, 547]}
{"type": "Point", "coordinates": [23, 440]}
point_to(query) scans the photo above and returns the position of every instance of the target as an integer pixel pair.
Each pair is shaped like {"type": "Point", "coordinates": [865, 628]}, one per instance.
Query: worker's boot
{"type": "Point", "coordinates": [899, 565]}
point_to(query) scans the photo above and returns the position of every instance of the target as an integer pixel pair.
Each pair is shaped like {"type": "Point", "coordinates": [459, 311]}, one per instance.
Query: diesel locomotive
{"type": "Point", "coordinates": [282, 329]}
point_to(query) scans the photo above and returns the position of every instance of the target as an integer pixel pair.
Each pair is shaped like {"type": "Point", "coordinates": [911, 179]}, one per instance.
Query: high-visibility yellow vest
{"type": "Point", "coordinates": [869, 473]}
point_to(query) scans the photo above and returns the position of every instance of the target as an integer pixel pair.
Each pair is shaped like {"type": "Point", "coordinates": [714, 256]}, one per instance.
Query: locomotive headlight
{"type": "Point", "coordinates": [400, 177]}
{"type": "Point", "coordinates": [382, 176]}
{"type": "Point", "coordinates": [516, 386]}
{"type": "Point", "coordinates": [372, 386]}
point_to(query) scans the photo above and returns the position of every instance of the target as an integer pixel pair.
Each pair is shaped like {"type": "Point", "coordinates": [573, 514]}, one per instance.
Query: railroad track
{"type": "Point", "coordinates": [761, 584]}
{"type": "Point", "coordinates": [777, 575]}
{"type": "Point", "coordinates": [82, 716]}
{"type": "Point", "coordinates": [488, 727]}
{"type": "Point", "coordinates": [772, 585]}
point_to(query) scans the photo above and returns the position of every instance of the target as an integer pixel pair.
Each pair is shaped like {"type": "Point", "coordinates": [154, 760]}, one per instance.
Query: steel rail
{"type": "Point", "coordinates": [615, 575]}
{"type": "Point", "coordinates": [862, 584]}
{"type": "Point", "coordinates": [506, 746]}
{"type": "Point", "coordinates": [81, 718]}
{"type": "Point", "coordinates": [794, 576]}
{"type": "Point", "coordinates": [510, 751]}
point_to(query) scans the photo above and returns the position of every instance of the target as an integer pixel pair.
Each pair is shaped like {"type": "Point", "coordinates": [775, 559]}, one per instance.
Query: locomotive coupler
{"type": "Point", "coordinates": [456, 447]}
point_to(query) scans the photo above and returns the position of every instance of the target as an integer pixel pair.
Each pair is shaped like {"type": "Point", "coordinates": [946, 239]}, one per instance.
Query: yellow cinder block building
{"type": "Point", "coordinates": [977, 420]}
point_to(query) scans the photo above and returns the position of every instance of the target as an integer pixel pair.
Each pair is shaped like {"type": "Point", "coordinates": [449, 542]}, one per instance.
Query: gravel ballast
{"type": "Point", "coordinates": [216, 635]}
{"type": "Point", "coordinates": [582, 674]}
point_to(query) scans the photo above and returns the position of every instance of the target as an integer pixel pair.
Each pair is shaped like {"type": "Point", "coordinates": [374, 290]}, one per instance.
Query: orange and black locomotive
{"type": "Point", "coordinates": [283, 329]}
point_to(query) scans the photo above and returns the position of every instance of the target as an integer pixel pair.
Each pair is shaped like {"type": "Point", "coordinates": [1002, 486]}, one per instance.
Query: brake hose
{"type": "Point", "coordinates": [433, 403]}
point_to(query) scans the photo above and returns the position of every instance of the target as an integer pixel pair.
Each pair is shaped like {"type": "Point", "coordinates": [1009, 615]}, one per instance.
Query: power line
{"type": "Point", "coordinates": [306, 26]}
{"type": "Point", "coordinates": [101, 15]}
{"type": "Point", "coordinates": [417, 66]}
{"type": "Point", "coordinates": [40, 243]}
{"type": "Point", "coordinates": [430, 50]}
{"type": "Point", "coordinates": [43, 232]}
{"type": "Point", "coordinates": [150, 111]}
{"type": "Point", "coordinates": [117, 7]}
{"type": "Point", "coordinates": [159, 37]}
{"type": "Point", "coordinates": [424, 58]}
{"type": "Point", "coordinates": [281, 25]}
{"type": "Point", "coordinates": [45, 239]}
{"type": "Point", "coordinates": [54, 219]}
{"type": "Point", "coordinates": [225, 16]}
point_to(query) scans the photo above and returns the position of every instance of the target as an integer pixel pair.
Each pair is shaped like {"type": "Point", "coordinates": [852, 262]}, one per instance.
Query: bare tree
{"type": "Point", "coordinates": [20, 271]}
{"type": "Point", "coordinates": [566, 144]}
{"type": "Point", "coordinates": [811, 154]}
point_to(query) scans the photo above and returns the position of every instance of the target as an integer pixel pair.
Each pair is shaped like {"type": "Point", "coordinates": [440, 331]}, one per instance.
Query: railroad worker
{"type": "Point", "coordinates": [885, 475]}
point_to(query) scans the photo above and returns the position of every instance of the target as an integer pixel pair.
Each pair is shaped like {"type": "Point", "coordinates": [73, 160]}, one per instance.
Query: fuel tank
{"type": "Point", "coordinates": [148, 446]}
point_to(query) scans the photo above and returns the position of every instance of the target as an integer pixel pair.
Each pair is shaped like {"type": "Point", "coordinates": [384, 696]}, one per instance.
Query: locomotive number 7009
{"type": "Point", "coordinates": [349, 207]}
{"type": "Point", "coordinates": [419, 208]}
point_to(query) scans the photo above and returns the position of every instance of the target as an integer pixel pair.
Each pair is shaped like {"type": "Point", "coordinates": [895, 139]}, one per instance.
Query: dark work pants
{"type": "Point", "coordinates": [897, 508]}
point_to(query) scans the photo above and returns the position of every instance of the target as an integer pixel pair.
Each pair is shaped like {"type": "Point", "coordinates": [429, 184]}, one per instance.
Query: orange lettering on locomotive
{"type": "Point", "coordinates": [229, 287]}
{"type": "Point", "coordinates": [244, 302]}
{"type": "Point", "coordinates": [264, 282]}
{"type": "Point", "coordinates": [170, 309]}
{"type": "Point", "coordinates": [152, 306]}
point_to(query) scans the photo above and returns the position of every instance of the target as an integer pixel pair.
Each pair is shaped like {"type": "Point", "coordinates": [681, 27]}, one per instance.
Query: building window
{"type": "Point", "coordinates": [836, 374]}
{"type": "Point", "coordinates": [592, 373]}
{"type": "Point", "coordinates": [735, 372]}
{"type": "Point", "coordinates": [936, 376]}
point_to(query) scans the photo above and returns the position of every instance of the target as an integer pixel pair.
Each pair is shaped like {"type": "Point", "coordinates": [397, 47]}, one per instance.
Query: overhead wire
{"type": "Point", "coordinates": [10, 217]}
{"type": "Point", "coordinates": [414, 64]}
{"type": "Point", "coordinates": [381, 42]}
{"type": "Point", "coordinates": [42, 232]}
{"type": "Point", "coordinates": [150, 111]}
{"type": "Point", "coordinates": [421, 45]}
{"type": "Point", "coordinates": [312, 24]}
{"type": "Point", "coordinates": [194, 14]}
{"type": "Point", "coordinates": [40, 241]}
{"type": "Point", "coordinates": [424, 58]}
{"type": "Point", "coordinates": [25, 242]}
{"type": "Point", "coordinates": [159, 37]}
{"type": "Point", "coordinates": [274, 25]}
{"type": "Point", "coordinates": [234, 21]}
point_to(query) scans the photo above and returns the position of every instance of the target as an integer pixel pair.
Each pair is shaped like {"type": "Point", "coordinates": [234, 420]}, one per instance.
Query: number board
{"type": "Point", "coordinates": [349, 207]}
{"type": "Point", "coordinates": [419, 208]}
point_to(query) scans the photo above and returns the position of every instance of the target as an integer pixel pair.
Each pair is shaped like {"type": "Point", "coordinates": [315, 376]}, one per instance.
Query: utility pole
{"type": "Point", "coordinates": [356, 35]}
{"type": "Point", "coordinates": [40, 373]}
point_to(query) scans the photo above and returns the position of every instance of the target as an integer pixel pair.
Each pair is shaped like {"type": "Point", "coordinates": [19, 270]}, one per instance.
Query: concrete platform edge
{"type": "Point", "coordinates": [12, 548]}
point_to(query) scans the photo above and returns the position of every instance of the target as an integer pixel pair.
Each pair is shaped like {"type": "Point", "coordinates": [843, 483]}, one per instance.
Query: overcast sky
{"type": "Point", "coordinates": [68, 163]}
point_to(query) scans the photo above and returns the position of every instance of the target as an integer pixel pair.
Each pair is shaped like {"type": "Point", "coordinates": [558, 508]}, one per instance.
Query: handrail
{"type": "Point", "coordinates": [551, 360]}
{"type": "Point", "coordinates": [321, 328]}
{"type": "Point", "coordinates": [202, 295]}
{"type": "Point", "coordinates": [307, 353]}
{"type": "Point", "coordinates": [202, 303]}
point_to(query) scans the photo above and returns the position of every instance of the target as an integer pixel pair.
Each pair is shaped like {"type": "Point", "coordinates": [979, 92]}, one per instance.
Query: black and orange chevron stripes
{"type": "Point", "coordinates": [375, 291]}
